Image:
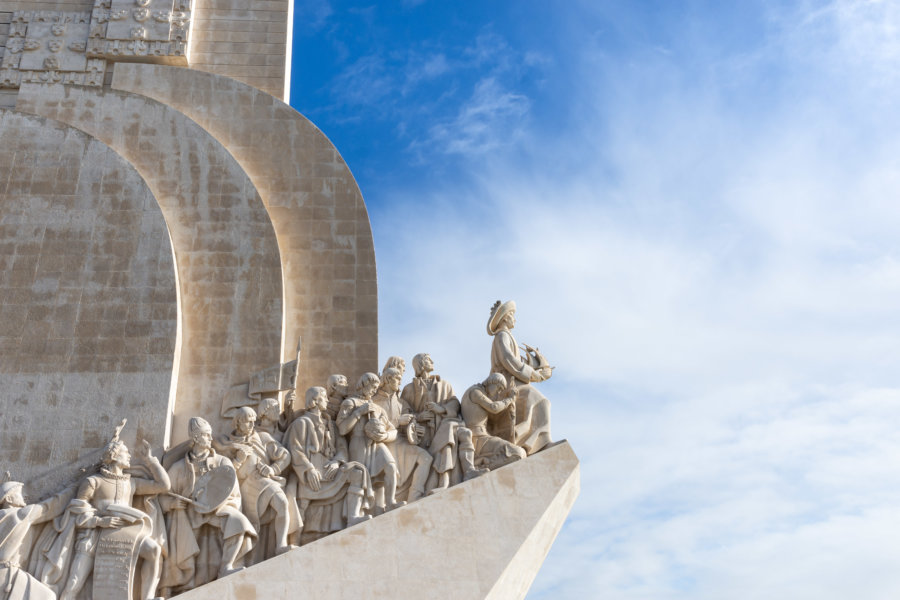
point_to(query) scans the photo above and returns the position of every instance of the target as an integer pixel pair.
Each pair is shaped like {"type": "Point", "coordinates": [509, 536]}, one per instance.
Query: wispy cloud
{"type": "Point", "coordinates": [711, 260]}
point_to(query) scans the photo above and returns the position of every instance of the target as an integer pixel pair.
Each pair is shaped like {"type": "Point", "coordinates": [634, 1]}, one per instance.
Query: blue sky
{"type": "Point", "coordinates": [695, 206]}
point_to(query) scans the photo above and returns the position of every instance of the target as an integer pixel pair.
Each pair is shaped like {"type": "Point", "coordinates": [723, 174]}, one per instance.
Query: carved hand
{"type": "Point", "coordinates": [265, 470]}
{"type": "Point", "coordinates": [110, 522]}
{"type": "Point", "coordinates": [420, 431]}
{"type": "Point", "coordinates": [314, 478]}
{"type": "Point", "coordinates": [143, 451]}
{"type": "Point", "coordinates": [178, 504]}
{"type": "Point", "coordinates": [331, 469]}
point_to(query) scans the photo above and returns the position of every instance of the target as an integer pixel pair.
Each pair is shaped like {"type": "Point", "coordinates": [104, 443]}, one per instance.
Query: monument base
{"type": "Point", "coordinates": [485, 538]}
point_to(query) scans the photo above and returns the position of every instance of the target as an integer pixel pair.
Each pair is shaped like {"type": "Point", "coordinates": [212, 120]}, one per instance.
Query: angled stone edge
{"type": "Point", "coordinates": [484, 538]}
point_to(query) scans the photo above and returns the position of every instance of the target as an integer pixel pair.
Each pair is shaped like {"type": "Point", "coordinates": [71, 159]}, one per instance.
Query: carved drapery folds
{"type": "Point", "coordinates": [74, 47]}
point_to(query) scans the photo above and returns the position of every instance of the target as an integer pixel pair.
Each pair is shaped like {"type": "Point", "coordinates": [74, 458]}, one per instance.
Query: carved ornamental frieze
{"type": "Point", "coordinates": [49, 47]}
{"type": "Point", "coordinates": [153, 31]}
{"type": "Point", "coordinates": [74, 47]}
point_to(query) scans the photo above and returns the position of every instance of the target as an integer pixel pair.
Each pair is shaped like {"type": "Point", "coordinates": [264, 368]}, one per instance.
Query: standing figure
{"type": "Point", "coordinates": [479, 404]}
{"type": "Point", "coordinates": [369, 428]}
{"type": "Point", "coordinates": [532, 430]}
{"type": "Point", "coordinates": [259, 461]}
{"type": "Point", "coordinates": [103, 501]}
{"type": "Point", "coordinates": [334, 493]}
{"type": "Point", "coordinates": [413, 462]}
{"type": "Point", "coordinates": [337, 389]}
{"type": "Point", "coordinates": [16, 537]}
{"type": "Point", "coordinates": [194, 531]}
{"type": "Point", "coordinates": [446, 436]}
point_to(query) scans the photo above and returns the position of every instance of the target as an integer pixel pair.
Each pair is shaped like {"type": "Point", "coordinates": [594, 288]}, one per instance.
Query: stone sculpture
{"type": "Point", "coordinates": [17, 533]}
{"type": "Point", "coordinates": [368, 428]}
{"type": "Point", "coordinates": [491, 398]}
{"type": "Point", "coordinates": [259, 461]}
{"type": "Point", "coordinates": [446, 436]}
{"type": "Point", "coordinates": [413, 462]}
{"type": "Point", "coordinates": [107, 527]}
{"type": "Point", "coordinates": [197, 530]}
{"type": "Point", "coordinates": [337, 389]}
{"type": "Point", "coordinates": [232, 501]}
{"type": "Point", "coordinates": [333, 491]}
{"type": "Point", "coordinates": [532, 428]}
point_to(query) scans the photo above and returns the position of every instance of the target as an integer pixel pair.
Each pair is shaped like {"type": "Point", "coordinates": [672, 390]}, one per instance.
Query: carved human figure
{"type": "Point", "coordinates": [17, 534]}
{"type": "Point", "coordinates": [94, 508]}
{"type": "Point", "coordinates": [532, 429]}
{"type": "Point", "coordinates": [334, 492]}
{"type": "Point", "coordinates": [259, 461]}
{"type": "Point", "coordinates": [192, 560]}
{"type": "Point", "coordinates": [368, 428]}
{"type": "Point", "coordinates": [269, 417]}
{"type": "Point", "coordinates": [481, 402]}
{"type": "Point", "coordinates": [413, 462]}
{"type": "Point", "coordinates": [446, 436]}
{"type": "Point", "coordinates": [337, 389]}
{"type": "Point", "coordinates": [394, 362]}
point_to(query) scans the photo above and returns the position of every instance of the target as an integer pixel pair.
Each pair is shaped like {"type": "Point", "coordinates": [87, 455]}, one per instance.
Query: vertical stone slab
{"type": "Point", "coordinates": [476, 540]}
{"type": "Point", "coordinates": [244, 40]}
{"type": "Point", "coordinates": [320, 219]}
{"type": "Point", "coordinates": [226, 257]}
{"type": "Point", "coordinates": [87, 299]}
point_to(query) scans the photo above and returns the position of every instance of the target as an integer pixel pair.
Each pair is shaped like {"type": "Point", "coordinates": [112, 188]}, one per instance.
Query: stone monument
{"type": "Point", "coordinates": [182, 249]}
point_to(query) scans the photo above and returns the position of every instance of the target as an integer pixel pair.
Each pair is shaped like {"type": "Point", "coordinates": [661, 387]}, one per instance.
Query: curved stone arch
{"type": "Point", "coordinates": [316, 208]}
{"type": "Point", "coordinates": [87, 301]}
{"type": "Point", "coordinates": [226, 257]}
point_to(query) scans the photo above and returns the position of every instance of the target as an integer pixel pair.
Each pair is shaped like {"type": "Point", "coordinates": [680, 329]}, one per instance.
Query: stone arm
{"type": "Point", "coordinates": [86, 516]}
{"type": "Point", "coordinates": [278, 455]}
{"type": "Point", "coordinates": [160, 483]}
{"type": "Point", "coordinates": [52, 507]}
{"type": "Point", "coordinates": [349, 415]}
{"type": "Point", "coordinates": [451, 407]}
{"type": "Point", "coordinates": [493, 407]}
{"type": "Point", "coordinates": [506, 353]}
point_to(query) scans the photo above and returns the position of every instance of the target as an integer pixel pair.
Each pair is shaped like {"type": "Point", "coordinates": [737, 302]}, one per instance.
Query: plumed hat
{"type": "Point", "coordinates": [8, 486]}
{"type": "Point", "coordinates": [498, 312]}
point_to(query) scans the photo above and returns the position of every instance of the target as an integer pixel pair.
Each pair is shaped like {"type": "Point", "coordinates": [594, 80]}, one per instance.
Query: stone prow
{"type": "Point", "coordinates": [485, 538]}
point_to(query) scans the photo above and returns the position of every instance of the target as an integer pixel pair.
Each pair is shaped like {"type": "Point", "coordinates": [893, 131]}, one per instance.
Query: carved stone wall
{"type": "Point", "coordinates": [87, 297]}
{"type": "Point", "coordinates": [229, 274]}
{"type": "Point", "coordinates": [317, 211]}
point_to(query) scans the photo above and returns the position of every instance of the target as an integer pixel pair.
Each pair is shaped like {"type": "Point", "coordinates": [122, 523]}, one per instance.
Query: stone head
{"type": "Point", "coordinates": [116, 453]}
{"type": "Point", "coordinates": [337, 385]}
{"type": "Point", "coordinates": [11, 495]}
{"type": "Point", "coordinates": [244, 420]}
{"type": "Point", "coordinates": [422, 364]}
{"type": "Point", "coordinates": [395, 362]}
{"type": "Point", "coordinates": [390, 379]}
{"type": "Point", "coordinates": [316, 397]}
{"type": "Point", "coordinates": [367, 384]}
{"type": "Point", "coordinates": [200, 433]}
{"type": "Point", "coordinates": [494, 384]}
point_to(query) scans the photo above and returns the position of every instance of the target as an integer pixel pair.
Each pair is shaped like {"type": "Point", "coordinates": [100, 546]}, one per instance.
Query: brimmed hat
{"type": "Point", "coordinates": [498, 312]}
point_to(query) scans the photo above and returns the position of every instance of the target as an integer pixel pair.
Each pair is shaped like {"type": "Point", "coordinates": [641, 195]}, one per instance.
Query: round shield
{"type": "Point", "coordinates": [213, 488]}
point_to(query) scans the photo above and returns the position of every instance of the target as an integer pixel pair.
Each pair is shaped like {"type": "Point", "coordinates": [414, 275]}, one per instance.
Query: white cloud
{"type": "Point", "coordinates": [717, 282]}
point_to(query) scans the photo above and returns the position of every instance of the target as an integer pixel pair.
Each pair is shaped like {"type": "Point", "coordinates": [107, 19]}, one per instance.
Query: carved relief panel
{"type": "Point", "coordinates": [49, 47]}
{"type": "Point", "coordinates": [147, 30]}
